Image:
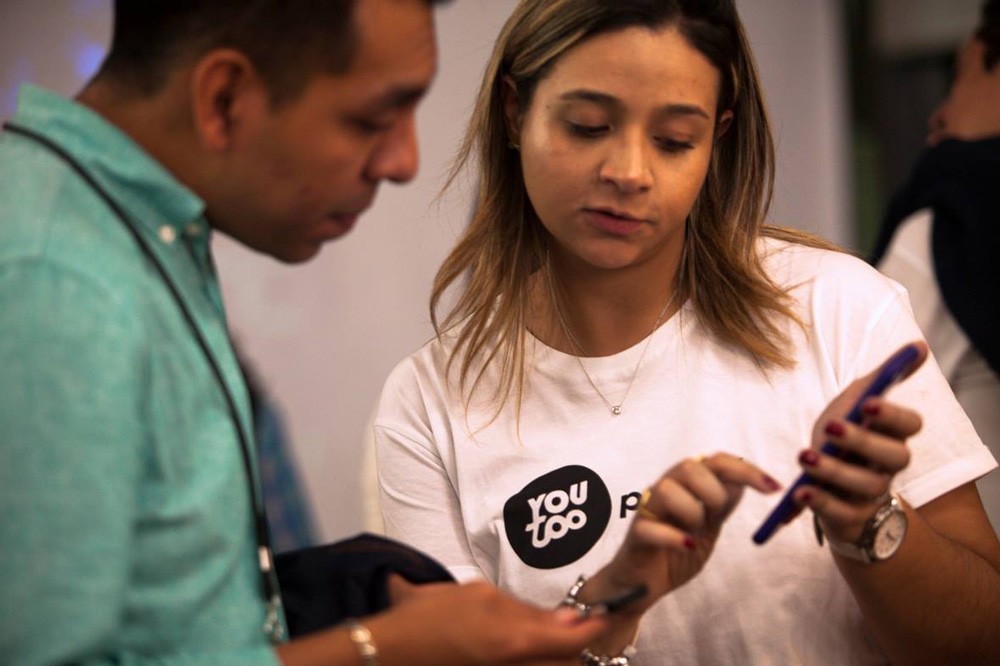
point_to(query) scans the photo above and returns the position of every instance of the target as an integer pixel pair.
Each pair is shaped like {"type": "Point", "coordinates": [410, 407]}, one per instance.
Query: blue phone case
{"type": "Point", "coordinates": [892, 370]}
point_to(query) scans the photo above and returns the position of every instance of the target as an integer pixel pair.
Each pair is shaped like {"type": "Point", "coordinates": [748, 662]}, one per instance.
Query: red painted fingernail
{"type": "Point", "coordinates": [835, 428]}
{"type": "Point", "coordinates": [871, 408]}
{"type": "Point", "coordinates": [689, 543]}
{"type": "Point", "coordinates": [807, 497]}
{"type": "Point", "coordinates": [809, 457]}
{"type": "Point", "coordinates": [771, 483]}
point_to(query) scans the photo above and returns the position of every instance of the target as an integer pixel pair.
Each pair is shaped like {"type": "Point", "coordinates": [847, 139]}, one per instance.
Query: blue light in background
{"type": "Point", "coordinates": [73, 47]}
{"type": "Point", "coordinates": [88, 59]}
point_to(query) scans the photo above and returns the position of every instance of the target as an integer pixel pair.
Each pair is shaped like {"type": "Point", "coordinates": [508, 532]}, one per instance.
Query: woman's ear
{"type": "Point", "coordinates": [511, 111]}
{"type": "Point", "coordinates": [226, 93]}
{"type": "Point", "coordinates": [723, 124]}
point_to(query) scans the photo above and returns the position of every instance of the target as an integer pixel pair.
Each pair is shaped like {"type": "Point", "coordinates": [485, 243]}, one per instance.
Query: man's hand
{"type": "Point", "coordinates": [474, 623]}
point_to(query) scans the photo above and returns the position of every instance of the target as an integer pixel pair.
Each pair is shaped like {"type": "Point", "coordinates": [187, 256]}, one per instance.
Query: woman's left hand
{"type": "Point", "coordinates": [846, 494]}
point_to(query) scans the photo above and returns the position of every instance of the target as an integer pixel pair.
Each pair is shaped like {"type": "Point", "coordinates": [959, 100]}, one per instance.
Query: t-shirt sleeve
{"type": "Point", "coordinates": [947, 452]}
{"type": "Point", "coordinates": [419, 501]}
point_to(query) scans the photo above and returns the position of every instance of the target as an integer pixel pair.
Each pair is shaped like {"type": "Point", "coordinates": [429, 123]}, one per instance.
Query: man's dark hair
{"type": "Point", "coordinates": [288, 41]}
{"type": "Point", "coordinates": [989, 32]}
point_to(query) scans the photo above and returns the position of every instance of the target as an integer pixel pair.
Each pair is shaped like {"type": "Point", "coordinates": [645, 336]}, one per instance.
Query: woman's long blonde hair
{"type": "Point", "coordinates": [505, 243]}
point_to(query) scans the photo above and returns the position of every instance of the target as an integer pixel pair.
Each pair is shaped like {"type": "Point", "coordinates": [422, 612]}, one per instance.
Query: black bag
{"type": "Point", "coordinates": [324, 585]}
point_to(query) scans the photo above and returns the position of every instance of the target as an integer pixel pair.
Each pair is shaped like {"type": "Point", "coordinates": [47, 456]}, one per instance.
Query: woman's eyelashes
{"type": "Point", "coordinates": [596, 131]}
{"type": "Point", "coordinates": [587, 131]}
{"type": "Point", "coordinates": [668, 145]}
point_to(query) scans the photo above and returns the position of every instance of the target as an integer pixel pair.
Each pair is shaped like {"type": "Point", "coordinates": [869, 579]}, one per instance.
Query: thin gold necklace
{"type": "Point", "coordinates": [616, 408]}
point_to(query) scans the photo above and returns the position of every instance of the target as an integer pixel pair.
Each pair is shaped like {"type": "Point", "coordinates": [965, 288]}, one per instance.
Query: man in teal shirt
{"type": "Point", "coordinates": [126, 523]}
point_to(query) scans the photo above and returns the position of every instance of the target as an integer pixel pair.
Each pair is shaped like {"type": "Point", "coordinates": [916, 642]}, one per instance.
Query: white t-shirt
{"type": "Point", "coordinates": [532, 507]}
{"type": "Point", "coordinates": [908, 260]}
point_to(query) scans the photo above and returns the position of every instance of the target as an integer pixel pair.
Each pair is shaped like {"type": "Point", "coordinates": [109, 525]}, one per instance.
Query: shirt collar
{"type": "Point", "coordinates": [148, 193]}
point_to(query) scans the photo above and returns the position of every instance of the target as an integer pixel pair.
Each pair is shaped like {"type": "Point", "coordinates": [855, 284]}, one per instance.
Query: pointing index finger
{"type": "Point", "coordinates": [732, 470]}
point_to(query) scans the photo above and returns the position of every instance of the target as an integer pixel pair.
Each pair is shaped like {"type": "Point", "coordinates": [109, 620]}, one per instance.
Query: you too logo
{"type": "Point", "coordinates": [557, 517]}
{"type": "Point", "coordinates": [547, 519]}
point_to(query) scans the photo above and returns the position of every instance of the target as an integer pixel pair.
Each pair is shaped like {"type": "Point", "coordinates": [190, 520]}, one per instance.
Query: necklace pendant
{"type": "Point", "coordinates": [616, 410]}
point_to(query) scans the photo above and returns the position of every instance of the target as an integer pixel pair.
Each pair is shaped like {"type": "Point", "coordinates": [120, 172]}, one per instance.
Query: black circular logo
{"type": "Point", "coordinates": [557, 517]}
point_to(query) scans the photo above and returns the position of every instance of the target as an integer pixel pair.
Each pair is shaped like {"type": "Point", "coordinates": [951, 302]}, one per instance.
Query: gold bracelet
{"type": "Point", "coordinates": [362, 639]}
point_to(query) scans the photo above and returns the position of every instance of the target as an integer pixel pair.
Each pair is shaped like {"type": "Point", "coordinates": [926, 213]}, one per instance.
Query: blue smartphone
{"type": "Point", "coordinates": [899, 365]}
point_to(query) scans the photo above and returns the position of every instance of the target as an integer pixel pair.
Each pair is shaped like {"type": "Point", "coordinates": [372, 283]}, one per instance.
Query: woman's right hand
{"type": "Point", "coordinates": [673, 534]}
{"type": "Point", "coordinates": [675, 530]}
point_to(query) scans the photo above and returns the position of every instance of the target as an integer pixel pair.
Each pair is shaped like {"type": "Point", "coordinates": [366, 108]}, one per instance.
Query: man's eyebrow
{"type": "Point", "coordinates": [605, 99]}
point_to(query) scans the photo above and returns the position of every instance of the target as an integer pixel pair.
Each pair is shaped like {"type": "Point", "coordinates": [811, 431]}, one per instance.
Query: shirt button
{"type": "Point", "coordinates": [167, 234]}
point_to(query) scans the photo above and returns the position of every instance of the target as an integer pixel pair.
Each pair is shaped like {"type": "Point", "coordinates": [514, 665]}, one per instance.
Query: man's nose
{"type": "Point", "coordinates": [397, 158]}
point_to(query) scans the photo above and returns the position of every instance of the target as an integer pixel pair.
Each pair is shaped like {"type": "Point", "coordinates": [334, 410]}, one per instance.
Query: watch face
{"type": "Point", "coordinates": [889, 536]}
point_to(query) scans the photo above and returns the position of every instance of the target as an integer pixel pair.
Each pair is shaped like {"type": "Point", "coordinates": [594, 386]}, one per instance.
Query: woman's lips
{"type": "Point", "coordinates": [612, 223]}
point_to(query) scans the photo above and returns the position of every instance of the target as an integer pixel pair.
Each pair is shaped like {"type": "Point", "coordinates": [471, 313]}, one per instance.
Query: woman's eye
{"type": "Point", "coordinates": [587, 131]}
{"type": "Point", "coordinates": [673, 145]}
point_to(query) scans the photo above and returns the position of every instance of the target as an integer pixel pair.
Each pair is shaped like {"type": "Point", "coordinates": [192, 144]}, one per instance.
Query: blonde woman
{"type": "Point", "coordinates": [622, 310]}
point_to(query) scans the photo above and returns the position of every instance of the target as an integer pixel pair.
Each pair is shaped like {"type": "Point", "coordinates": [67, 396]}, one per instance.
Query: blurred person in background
{"type": "Point", "coordinates": [941, 238]}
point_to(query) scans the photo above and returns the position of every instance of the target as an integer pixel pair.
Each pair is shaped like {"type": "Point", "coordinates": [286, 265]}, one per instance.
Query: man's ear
{"type": "Point", "coordinates": [226, 94]}
{"type": "Point", "coordinates": [723, 124]}
{"type": "Point", "coordinates": [512, 111]}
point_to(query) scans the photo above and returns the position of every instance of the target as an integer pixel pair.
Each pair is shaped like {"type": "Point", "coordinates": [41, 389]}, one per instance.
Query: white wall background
{"type": "Point", "coordinates": [323, 336]}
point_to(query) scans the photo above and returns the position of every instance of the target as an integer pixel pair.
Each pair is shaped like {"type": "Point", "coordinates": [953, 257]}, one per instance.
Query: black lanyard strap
{"type": "Point", "coordinates": [272, 625]}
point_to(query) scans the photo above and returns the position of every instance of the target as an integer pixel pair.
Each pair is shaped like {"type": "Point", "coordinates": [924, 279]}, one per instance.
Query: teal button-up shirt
{"type": "Point", "coordinates": [125, 519]}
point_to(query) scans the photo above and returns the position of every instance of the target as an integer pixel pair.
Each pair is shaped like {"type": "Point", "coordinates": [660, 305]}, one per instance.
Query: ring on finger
{"type": "Point", "coordinates": [643, 510]}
